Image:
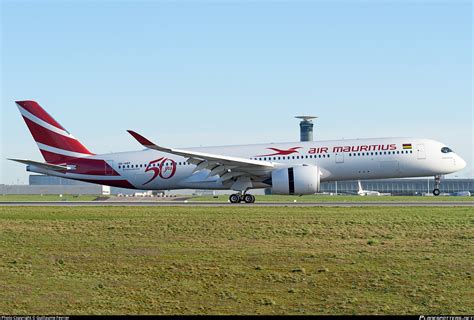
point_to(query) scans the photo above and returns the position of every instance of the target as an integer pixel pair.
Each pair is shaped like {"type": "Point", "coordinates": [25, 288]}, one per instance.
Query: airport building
{"type": "Point", "coordinates": [42, 184]}
{"type": "Point", "coordinates": [70, 186]}
{"type": "Point", "coordinates": [399, 187]}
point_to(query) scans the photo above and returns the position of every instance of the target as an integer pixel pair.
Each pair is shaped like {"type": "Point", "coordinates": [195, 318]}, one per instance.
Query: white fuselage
{"type": "Point", "coordinates": [355, 159]}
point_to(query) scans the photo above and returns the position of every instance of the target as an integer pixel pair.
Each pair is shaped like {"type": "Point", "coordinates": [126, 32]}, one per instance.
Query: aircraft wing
{"type": "Point", "coordinates": [226, 167]}
{"type": "Point", "coordinates": [47, 166]}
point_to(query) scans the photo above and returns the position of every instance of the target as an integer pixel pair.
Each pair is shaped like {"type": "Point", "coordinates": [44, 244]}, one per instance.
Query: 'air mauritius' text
{"type": "Point", "coordinates": [372, 147]}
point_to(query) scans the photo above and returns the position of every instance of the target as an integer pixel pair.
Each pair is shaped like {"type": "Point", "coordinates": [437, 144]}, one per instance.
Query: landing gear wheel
{"type": "Point", "coordinates": [437, 182]}
{"type": "Point", "coordinates": [248, 198]}
{"type": "Point", "coordinates": [234, 198]}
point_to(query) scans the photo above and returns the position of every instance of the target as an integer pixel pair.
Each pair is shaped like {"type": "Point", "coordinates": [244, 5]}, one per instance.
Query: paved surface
{"type": "Point", "coordinates": [225, 204]}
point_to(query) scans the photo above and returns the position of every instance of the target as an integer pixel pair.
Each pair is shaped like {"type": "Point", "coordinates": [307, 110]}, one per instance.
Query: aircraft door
{"type": "Point", "coordinates": [340, 157]}
{"type": "Point", "coordinates": [109, 168]}
{"type": "Point", "coordinates": [420, 151]}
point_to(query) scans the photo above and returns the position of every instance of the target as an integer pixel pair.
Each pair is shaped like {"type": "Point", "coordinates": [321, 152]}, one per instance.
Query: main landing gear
{"type": "Point", "coordinates": [437, 182]}
{"type": "Point", "coordinates": [237, 198]}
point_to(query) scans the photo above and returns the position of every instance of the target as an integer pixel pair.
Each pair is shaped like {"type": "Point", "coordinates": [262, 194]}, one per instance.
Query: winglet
{"type": "Point", "coordinates": [141, 139]}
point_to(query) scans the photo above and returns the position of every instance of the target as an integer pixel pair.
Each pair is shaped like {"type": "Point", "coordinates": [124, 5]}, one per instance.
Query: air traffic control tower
{"type": "Point", "coordinates": [306, 127]}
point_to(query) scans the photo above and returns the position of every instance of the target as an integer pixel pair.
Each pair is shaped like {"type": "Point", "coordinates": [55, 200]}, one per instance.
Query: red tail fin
{"type": "Point", "coordinates": [55, 143]}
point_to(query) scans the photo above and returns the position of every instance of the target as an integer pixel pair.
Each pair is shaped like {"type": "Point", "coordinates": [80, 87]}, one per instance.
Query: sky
{"type": "Point", "coordinates": [203, 73]}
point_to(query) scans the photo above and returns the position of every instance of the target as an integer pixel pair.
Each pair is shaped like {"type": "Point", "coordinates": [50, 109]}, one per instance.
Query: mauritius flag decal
{"type": "Point", "coordinates": [407, 146]}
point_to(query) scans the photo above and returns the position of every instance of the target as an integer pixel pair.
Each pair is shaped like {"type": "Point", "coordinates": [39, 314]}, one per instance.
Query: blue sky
{"type": "Point", "coordinates": [212, 73]}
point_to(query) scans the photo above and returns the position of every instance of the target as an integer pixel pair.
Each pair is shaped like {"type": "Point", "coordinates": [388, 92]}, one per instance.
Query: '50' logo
{"type": "Point", "coordinates": [163, 167]}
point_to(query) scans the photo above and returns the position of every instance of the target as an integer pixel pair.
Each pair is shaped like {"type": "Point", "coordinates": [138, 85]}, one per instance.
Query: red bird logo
{"type": "Point", "coordinates": [280, 152]}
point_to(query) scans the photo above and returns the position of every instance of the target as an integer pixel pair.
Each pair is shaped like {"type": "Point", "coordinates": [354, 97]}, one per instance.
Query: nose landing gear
{"type": "Point", "coordinates": [437, 182]}
{"type": "Point", "coordinates": [237, 198]}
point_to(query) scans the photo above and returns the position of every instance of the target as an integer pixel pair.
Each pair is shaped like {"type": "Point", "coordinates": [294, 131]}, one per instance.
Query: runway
{"type": "Point", "coordinates": [226, 204]}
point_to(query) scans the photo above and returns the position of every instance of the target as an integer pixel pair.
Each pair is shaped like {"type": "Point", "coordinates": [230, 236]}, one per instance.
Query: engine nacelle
{"type": "Point", "coordinates": [296, 180]}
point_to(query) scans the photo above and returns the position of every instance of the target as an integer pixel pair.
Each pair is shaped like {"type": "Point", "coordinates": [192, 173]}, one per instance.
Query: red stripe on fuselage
{"type": "Point", "coordinates": [86, 166]}
{"type": "Point", "coordinates": [35, 109]}
{"type": "Point", "coordinates": [52, 139]}
{"type": "Point", "coordinates": [96, 167]}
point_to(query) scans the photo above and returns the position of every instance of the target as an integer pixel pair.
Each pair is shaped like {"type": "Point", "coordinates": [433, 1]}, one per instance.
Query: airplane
{"type": "Point", "coordinates": [287, 168]}
{"type": "Point", "coordinates": [460, 194]}
{"type": "Point", "coordinates": [362, 192]}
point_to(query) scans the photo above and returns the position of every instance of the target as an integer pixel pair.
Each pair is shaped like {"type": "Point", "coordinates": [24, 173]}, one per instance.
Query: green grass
{"type": "Point", "coordinates": [243, 260]}
{"type": "Point", "coordinates": [327, 198]}
{"type": "Point", "coordinates": [46, 197]}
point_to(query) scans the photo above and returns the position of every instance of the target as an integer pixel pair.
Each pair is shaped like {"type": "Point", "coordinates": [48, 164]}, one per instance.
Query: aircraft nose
{"type": "Point", "coordinates": [461, 163]}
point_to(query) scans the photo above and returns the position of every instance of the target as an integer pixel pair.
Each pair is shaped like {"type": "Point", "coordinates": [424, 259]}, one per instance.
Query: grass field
{"type": "Point", "coordinates": [326, 198]}
{"type": "Point", "coordinates": [221, 260]}
{"type": "Point", "coordinates": [45, 197]}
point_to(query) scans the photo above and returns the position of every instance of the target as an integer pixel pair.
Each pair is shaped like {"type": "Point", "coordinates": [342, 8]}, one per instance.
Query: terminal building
{"type": "Point", "coordinates": [400, 187]}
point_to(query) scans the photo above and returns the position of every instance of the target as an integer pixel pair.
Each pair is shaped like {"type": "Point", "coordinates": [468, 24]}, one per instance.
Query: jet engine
{"type": "Point", "coordinates": [296, 180]}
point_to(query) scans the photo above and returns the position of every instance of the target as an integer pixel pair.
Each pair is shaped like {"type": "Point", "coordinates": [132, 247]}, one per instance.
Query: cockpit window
{"type": "Point", "coordinates": [446, 150]}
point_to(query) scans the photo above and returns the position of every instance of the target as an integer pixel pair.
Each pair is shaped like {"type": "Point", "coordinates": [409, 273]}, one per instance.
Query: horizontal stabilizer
{"type": "Point", "coordinates": [43, 165]}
